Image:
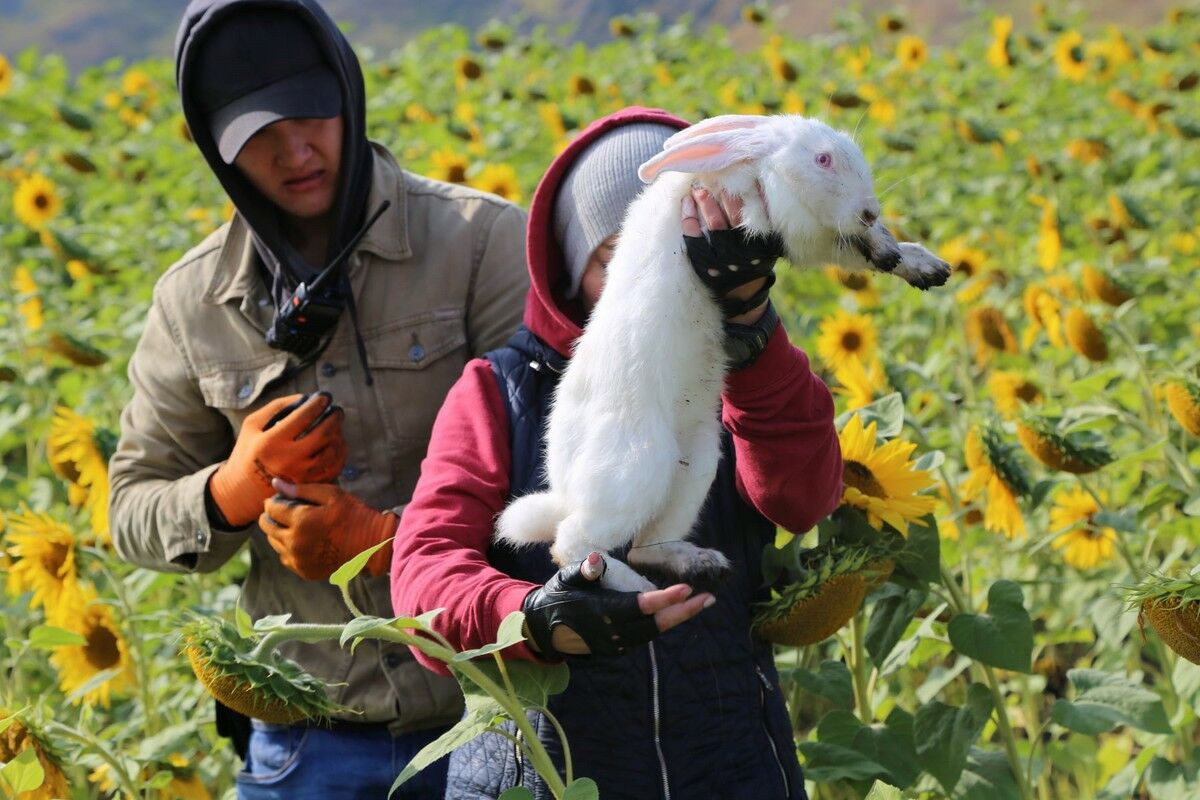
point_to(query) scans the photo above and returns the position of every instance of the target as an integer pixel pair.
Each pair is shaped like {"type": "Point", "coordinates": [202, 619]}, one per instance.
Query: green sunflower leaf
{"type": "Point", "coordinates": [1003, 637]}
{"type": "Point", "coordinates": [944, 734]}
{"type": "Point", "coordinates": [1105, 700]}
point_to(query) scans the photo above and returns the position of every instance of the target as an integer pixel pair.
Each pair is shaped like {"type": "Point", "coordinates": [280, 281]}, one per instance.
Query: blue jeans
{"type": "Point", "coordinates": [301, 763]}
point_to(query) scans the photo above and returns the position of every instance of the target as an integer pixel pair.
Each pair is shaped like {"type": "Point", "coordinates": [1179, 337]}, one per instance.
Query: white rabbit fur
{"type": "Point", "coordinates": [634, 431]}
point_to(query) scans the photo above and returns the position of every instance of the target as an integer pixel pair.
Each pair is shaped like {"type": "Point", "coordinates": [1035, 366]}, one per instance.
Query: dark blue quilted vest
{"type": "Point", "coordinates": [696, 714]}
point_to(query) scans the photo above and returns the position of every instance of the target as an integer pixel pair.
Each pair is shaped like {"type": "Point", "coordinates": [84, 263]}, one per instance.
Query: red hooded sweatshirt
{"type": "Point", "coordinates": [789, 464]}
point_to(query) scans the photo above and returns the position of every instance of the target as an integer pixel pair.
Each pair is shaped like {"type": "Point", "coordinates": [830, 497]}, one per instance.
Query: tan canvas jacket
{"type": "Point", "coordinates": [440, 278]}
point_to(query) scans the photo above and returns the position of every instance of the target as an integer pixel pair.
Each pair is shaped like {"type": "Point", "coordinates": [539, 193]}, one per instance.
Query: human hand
{"type": "Point", "coordinates": [737, 269]}
{"type": "Point", "coordinates": [573, 615]}
{"type": "Point", "coordinates": [317, 527]}
{"type": "Point", "coordinates": [293, 438]}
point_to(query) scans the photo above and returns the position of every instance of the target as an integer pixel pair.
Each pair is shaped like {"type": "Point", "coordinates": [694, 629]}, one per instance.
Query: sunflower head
{"type": "Point", "coordinates": [580, 86]}
{"type": "Point", "coordinates": [1010, 390]}
{"type": "Point", "coordinates": [1077, 453]}
{"type": "Point", "coordinates": [104, 651]}
{"type": "Point", "coordinates": [1085, 545]}
{"type": "Point", "coordinates": [43, 553]}
{"type": "Point", "coordinates": [36, 201]}
{"type": "Point", "coordinates": [467, 68]}
{"type": "Point", "coordinates": [622, 27]}
{"type": "Point", "coordinates": [881, 480]}
{"type": "Point", "coordinates": [1084, 337]}
{"type": "Point", "coordinates": [1070, 57]}
{"type": "Point", "coordinates": [1183, 401]}
{"type": "Point", "coordinates": [499, 179]}
{"type": "Point", "coordinates": [844, 336]}
{"type": "Point", "coordinates": [911, 52]}
{"type": "Point", "coordinates": [269, 687]}
{"type": "Point", "coordinates": [449, 166]}
{"type": "Point", "coordinates": [18, 734]}
{"type": "Point", "coordinates": [989, 333]}
{"type": "Point", "coordinates": [5, 75]}
{"type": "Point", "coordinates": [996, 471]}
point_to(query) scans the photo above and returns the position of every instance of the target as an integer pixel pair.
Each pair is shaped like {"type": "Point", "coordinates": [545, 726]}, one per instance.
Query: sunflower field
{"type": "Point", "coordinates": [1004, 606]}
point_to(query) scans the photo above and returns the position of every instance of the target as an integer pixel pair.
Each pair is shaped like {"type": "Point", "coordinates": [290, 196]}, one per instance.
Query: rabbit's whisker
{"type": "Point", "coordinates": [894, 185]}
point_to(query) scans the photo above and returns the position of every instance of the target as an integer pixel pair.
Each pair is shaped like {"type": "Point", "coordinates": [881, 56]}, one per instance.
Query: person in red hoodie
{"type": "Point", "coordinates": [671, 694]}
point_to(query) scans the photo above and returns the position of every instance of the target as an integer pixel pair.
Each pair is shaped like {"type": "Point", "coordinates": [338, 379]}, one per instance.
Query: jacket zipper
{"type": "Point", "coordinates": [662, 762]}
{"type": "Point", "coordinates": [520, 780]}
{"type": "Point", "coordinates": [762, 699]}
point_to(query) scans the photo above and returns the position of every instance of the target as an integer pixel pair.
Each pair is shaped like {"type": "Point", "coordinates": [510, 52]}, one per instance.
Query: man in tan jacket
{"type": "Point", "coordinates": [230, 395]}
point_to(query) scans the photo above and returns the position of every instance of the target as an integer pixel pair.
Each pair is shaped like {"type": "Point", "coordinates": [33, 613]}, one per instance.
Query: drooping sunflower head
{"type": "Point", "coordinates": [36, 201]}
{"type": "Point", "coordinates": [1000, 51]}
{"type": "Point", "coordinates": [1010, 390]}
{"type": "Point", "coordinates": [499, 179]}
{"type": "Point", "coordinates": [881, 480]}
{"type": "Point", "coordinates": [1044, 312]}
{"type": "Point", "coordinates": [1049, 243]}
{"type": "Point", "coordinates": [1183, 401]}
{"type": "Point", "coordinates": [20, 735]}
{"type": "Point", "coordinates": [5, 75]}
{"type": "Point", "coordinates": [1077, 453]}
{"type": "Point", "coordinates": [580, 86]}
{"type": "Point", "coordinates": [1085, 337]}
{"type": "Point", "coordinates": [269, 686]}
{"type": "Point", "coordinates": [78, 451]}
{"type": "Point", "coordinates": [104, 651]}
{"type": "Point", "coordinates": [989, 333]}
{"type": "Point", "coordinates": [996, 474]}
{"type": "Point", "coordinates": [43, 550]}
{"type": "Point", "coordinates": [965, 261]}
{"type": "Point", "coordinates": [1104, 287]}
{"type": "Point", "coordinates": [1085, 544]}
{"type": "Point", "coordinates": [844, 336]}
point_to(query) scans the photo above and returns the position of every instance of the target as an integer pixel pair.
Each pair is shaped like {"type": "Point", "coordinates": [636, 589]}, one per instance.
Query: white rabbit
{"type": "Point", "coordinates": [634, 432]}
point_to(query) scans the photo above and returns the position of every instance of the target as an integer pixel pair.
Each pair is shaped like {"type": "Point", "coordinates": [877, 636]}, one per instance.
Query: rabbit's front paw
{"type": "Point", "coordinates": [920, 267]}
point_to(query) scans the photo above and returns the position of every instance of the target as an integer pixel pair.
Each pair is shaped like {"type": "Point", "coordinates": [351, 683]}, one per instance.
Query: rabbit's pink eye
{"type": "Point", "coordinates": [824, 160]}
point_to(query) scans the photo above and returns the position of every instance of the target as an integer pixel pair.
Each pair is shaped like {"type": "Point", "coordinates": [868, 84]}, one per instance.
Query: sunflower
{"type": "Point", "coordinates": [881, 480]}
{"type": "Point", "coordinates": [1078, 453]}
{"type": "Point", "coordinates": [1044, 313]}
{"type": "Point", "coordinates": [5, 75]}
{"type": "Point", "coordinates": [1085, 545]}
{"type": "Point", "coordinates": [1104, 288]}
{"type": "Point", "coordinates": [20, 736]}
{"type": "Point", "coordinates": [1069, 56]}
{"type": "Point", "coordinates": [580, 86]}
{"type": "Point", "coordinates": [448, 166]}
{"type": "Point", "coordinates": [989, 332]}
{"type": "Point", "coordinates": [185, 783]}
{"type": "Point", "coordinates": [467, 69]}
{"type": "Point", "coordinates": [1084, 337]}
{"type": "Point", "coordinates": [911, 52]}
{"type": "Point", "coordinates": [1010, 390]}
{"type": "Point", "coordinates": [859, 283]}
{"type": "Point", "coordinates": [859, 384]}
{"type": "Point", "coordinates": [45, 553]}
{"type": "Point", "coordinates": [1087, 150]}
{"type": "Point", "coordinates": [499, 179]}
{"type": "Point", "coordinates": [76, 451]}
{"type": "Point", "coordinates": [783, 69]}
{"type": "Point", "coordinates": [844, 336]}
{"type": "Point", "coordinates": [995, 470]}
{"type": "Point", "coordinates": [1125, 211]}
{"type": "Point", "coordinates": [965, 261]}
{"type": "Point", "coordinates": [1049, 243]}
{"type": "Point", "coordinates": [104, 649]}
{"type": "Point", "coordinates": [1000, 51]}
{"type": "Point", "coordinates": [1184, 404]}
{"type": "Point", "coordinates": [36, 201]}
{"type": "Point", "coordinates": [623, 28]}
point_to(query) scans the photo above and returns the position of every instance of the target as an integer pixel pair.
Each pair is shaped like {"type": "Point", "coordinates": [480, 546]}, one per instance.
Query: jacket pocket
{"type": "Point", "coordinates": [237, 388]}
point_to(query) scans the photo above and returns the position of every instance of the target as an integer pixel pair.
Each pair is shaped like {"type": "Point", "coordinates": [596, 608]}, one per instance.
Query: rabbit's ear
{"type": "Point", "coordinates": [725, 122]}
{"type": "Point", "coordinates": [709, 153]}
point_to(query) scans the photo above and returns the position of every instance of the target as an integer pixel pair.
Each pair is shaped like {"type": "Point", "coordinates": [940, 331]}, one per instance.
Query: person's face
{"type": "Point", "coordinates": [592, 282]}
{"type": "Point", "coordinates": [294, 163]}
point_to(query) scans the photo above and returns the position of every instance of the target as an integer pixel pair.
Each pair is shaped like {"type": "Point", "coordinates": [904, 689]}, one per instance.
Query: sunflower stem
{"type": "Point", "coordinates": [862, 699]}
{"type": "Point", "coordinates": [962, 604]}
{"type": "Point", "coordinates": [93, 743]}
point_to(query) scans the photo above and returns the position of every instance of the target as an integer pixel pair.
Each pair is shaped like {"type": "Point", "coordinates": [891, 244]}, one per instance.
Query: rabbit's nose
{"type": "Point", "coordinates": [868, 217]}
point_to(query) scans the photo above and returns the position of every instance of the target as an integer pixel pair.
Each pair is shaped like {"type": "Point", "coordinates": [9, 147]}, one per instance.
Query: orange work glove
{"type": "Point", "coordinates": [302, 443]}
{"type": "Point", "coordinates": [316, 527]}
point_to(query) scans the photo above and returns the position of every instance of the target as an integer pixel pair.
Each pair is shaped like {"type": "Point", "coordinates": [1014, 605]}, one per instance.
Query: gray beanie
{"type": "Point", "coordinates": [603, 181]}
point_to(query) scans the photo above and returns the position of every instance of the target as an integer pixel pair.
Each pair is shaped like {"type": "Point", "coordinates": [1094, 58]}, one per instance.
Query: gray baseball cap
{"type": "Point", "coordinates": [257, 67]}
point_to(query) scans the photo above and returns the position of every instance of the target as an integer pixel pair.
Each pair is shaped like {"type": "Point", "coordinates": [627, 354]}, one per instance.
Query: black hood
{"type": "Point", "coordinates": [282, 261]}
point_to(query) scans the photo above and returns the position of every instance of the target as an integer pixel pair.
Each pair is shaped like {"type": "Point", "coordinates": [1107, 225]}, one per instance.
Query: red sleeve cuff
{"type": "Point", "coordinates": [771, 367]}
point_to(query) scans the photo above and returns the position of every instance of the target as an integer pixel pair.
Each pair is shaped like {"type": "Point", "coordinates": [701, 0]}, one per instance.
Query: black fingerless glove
{"type": "Point", "coordinates": [608, 621]}
{"type": "Point", "coordinates": [727, 259]}
{"type": "Point", "coordinates": [745, 343]}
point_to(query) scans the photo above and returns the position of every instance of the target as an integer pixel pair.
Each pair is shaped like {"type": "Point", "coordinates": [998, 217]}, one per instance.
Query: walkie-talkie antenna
{"type": "Point", "coordinates": [349, 248]}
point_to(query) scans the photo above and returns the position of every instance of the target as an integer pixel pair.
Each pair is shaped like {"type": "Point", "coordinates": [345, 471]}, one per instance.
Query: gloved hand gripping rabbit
{"type": "Point", "coordinates": [634, 433]}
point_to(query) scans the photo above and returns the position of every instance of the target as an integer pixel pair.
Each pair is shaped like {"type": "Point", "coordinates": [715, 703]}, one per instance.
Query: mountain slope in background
{"type": "Point", "coordinates": [89, 32]}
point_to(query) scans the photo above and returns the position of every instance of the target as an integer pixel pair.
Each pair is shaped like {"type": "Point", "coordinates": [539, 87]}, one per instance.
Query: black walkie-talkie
{"type": "Point", "coordinates": [309, 313]}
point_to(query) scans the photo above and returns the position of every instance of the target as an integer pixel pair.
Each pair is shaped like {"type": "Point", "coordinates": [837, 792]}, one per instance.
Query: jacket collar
{"type": "Point", "coordinates": [237, 276]}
